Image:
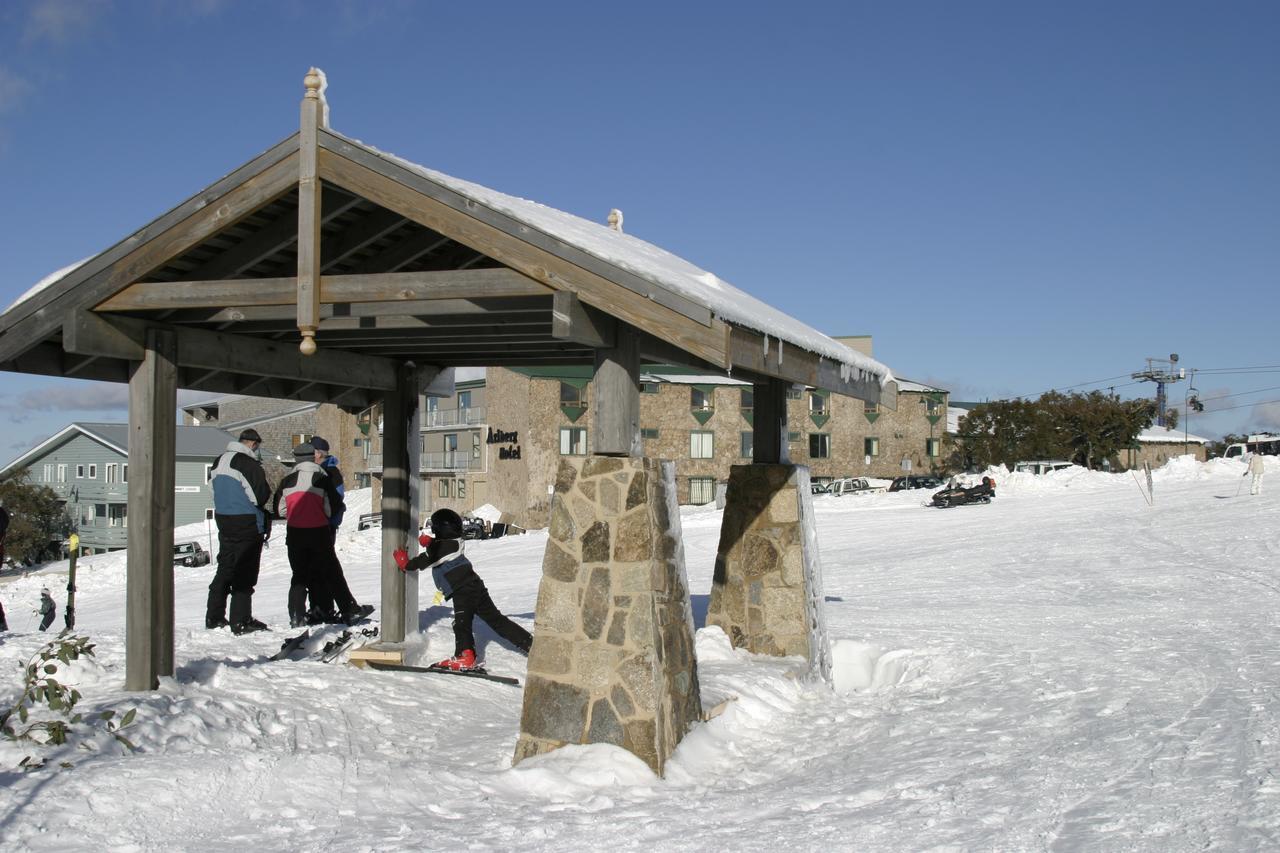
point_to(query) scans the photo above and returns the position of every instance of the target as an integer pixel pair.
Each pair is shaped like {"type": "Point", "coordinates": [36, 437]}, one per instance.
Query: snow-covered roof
{"type": "Point", "coordinates": [1164, 435]}
{"type": "Point", "coordinates": [918, 387]}
{"type": "Point", "coordinates": [690, 378]}
{"type": "Point", "coordinates": [653, 264]}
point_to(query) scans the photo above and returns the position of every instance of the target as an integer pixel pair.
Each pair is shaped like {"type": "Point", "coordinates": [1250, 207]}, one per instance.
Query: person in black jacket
{"type": "Point", "coordinates": [47, 609]}
{"type": "Point", "coordinates": [456, 580]}
{"type": "Point", "coordinates": [240, 496]}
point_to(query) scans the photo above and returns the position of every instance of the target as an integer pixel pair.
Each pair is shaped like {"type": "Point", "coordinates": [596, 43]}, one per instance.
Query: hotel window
{"type": "Point", "coordinates": [931, 446]}
{"type": "Point", "coordinates": [648, 387]}
{"type": "Point", "coordinates": [746, 444]}
{"type": "Point", "coordinates": [124, 473]}
{"type": "Point", "coordinates": [817, 404]}
{"type": "Point", "coordinates": [93, 471]}
{"type": "Point", "coordinates": [118, 515]}
{"type": "Point", "coordinates": [109, 472]}
{"type": "Point", "coordinates": [702, 444]}
{"type": "Point", "coordinates": [299, 438]}
{"type": "Point", "coordinates": [871, 446]}
{"type": "Point", "coordinates": [871, 408]}
{"type": "Point", "coordinates": [62, 473]}
{"type": "Point", "coordinates": [79, 472]}
{"type": "Point", "coordinates": [932, 407]}
{"type": "Point", "coordinates": [462, 488]}
{"type": "Point", "coordinates": [475, 447]}
{"type": "Point", "coordinates": [794, 392]}
{"type": "Point", "coordinates": [573, 441]}
{"type": "Point", "coordinates": [702, 490]}
{"type": "Point", "coordinates": [48, 473]}
{"type": "Point", "coordinates": [701, 400]}
{"type": "Point", "coordinates": [819, 445]}
{"type": "Point", "coordinates": [648, 433]}
{"type": "Point", "coordinates": [793, 437]}
{"type": "Point", "coordinates": [443, 488]}
{"type": "Point", "coordinates": [748, 402]}
{"type": "Point", "coordinates": [571, 395]}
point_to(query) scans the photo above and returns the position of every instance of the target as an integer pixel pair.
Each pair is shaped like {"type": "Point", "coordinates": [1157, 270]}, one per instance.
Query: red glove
{"type": "Point", "coordinates": [424, 540]}
{"type": "Point", "coordinates": [401, 556]}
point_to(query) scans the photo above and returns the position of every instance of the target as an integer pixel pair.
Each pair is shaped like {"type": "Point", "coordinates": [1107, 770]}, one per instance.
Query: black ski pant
{"type": "Point", "coordinates": [316, 572]}
{"type": "Point", "coordinates": [239, 556]}
{"type": "Point", "coordinates": [324, 600]}
{"type": "Point", "coordinates": [473, 600]}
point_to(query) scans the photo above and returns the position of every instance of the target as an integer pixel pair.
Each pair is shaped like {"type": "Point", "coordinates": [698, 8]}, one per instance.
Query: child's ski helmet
{"type": "Point", "coordinates": [446, 524]}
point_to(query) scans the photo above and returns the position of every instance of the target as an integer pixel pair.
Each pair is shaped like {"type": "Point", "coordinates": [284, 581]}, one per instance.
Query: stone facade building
{"type": "Point", "coordinates": [500, 439]}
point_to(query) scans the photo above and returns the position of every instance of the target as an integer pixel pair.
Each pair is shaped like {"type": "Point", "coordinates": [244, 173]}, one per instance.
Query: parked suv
{"type": "Point", "coordinates": [189, 554]}
{"type": "Point", "coordinates": [900, 484]}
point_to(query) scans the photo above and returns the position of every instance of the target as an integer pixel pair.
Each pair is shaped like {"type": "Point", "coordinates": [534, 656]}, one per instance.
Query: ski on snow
{"type": "Point", "coordinates": [467, 673]}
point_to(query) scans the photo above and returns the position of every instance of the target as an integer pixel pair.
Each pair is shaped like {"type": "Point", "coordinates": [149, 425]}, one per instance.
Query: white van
{"type": "Point", "coordinates": [1042, 466]}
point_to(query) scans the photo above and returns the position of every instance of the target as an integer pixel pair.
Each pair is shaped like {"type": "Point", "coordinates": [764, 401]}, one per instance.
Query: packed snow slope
{"type": "Point", "coordinates": [1067, 668]}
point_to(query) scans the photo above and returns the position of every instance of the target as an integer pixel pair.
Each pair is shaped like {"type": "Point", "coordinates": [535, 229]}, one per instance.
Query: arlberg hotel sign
{"type": "Point", "coordinates": [497, 436]}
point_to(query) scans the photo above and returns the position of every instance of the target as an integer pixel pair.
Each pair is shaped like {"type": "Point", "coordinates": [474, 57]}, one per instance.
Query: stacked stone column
{"type": "Point", "coordinates": [613, 642]}
{"type": "Point", "coordinates": [766, 592]}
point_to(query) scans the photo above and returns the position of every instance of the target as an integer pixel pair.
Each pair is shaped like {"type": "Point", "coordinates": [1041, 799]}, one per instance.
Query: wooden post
{"type": "Point", "coordinates": [769, 423]}
{"type": "Point", "coordinates": [309, 213]}
{"type": "Point", "coordinates": [615, 397]}
{"type": "Point", "coordinates": [401, 454]}
{"type": "Point", "coordinates": [152, 435]}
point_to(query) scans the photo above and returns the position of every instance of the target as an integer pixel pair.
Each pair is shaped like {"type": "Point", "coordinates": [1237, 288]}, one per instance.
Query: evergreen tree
{"type": "Point", "coordinates": [38, 520]}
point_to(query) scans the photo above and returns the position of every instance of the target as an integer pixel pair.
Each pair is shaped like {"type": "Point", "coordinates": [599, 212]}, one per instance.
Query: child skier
{"type": "Point", "coordinates": [47, 609]}
{"type": "Point", "coordinates": [456, 580]}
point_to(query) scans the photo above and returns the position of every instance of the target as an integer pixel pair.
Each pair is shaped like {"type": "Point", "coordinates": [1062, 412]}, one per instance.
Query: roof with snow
{"type": "Point", "coordinates": [1164, 435]}
{"type": "Point", "coordinates": [190, 441]}
{"type": "Point", "coordinates": [412, 266]}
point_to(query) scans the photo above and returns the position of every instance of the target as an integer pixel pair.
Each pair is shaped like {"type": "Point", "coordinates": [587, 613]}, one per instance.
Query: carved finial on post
{"type": "Point", "coordinates": [615, 220]}
{"type": "Point", "coordinates": [314, 117]}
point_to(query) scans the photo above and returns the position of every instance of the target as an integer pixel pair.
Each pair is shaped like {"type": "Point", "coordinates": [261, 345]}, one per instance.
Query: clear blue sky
{"type": "Point", "coordinates": [1010, 197]}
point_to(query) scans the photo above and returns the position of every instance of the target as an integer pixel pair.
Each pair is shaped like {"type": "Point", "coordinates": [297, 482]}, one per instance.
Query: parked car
{"type": "Point", "coordinates": [1042, 466]}
{"type": "Point", "coordinates": [189, 554]}
{"type": "Point", "coordinates": [820, 488]}
{"type": "Point", "coordinates": [852, 486]}
{"type": "Point", "coordinates": [918, 481]}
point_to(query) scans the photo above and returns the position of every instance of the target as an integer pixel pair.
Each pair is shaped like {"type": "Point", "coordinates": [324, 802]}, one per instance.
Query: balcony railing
{"type": "Point", "coordinates": [443, 460]}
{"type": "Point", "coordinates": [433, 418]}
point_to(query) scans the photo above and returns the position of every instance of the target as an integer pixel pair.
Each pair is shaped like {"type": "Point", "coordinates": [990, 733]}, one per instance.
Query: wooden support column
{"type": "Point", "coordinates": [769, 422]}
{"type": "Point", "coordinates": [152, 435]}
{"type": "Point", "coordinates": [309, 213]}
{"type": "Point", "coordinates": [399, 470]}
{"type": "Point", "coordinates": [615, 397]}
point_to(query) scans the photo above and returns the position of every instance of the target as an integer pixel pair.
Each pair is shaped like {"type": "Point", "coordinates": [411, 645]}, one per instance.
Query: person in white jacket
{"type": "Point", "coordinates": [1257, 469]}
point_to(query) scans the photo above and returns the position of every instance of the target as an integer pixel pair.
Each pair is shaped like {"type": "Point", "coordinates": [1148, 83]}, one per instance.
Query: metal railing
{"type": "Point", "coordinates": [442, 460]}
{"type": "Point", "coordinates": [453, 417]}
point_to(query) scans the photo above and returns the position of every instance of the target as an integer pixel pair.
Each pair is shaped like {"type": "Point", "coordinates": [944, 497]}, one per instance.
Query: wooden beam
{"type": "Point", "coordinates": [373, 227]}
{"type": "Point", "coordinates": [582, 324]}
{"type": "Point", "coordinates": [87, 333]}
{"type": "Point", "coordinates": [273, 238]}
{"type": "Point", "coordinates": [186, 226]}
{"type": "Point", "coordinates": [422, 241]}
{"type": "Point", "coordinates": [149, 565]}
{"type": "Point", "coordinates": [769, 422]}
{"type": "Point", "coordinates": [620, 294]}
{"type": "Point", "coordinates": [369, 288]}
{"type": "Point", "coordinates": [309, 213]}
{"type": "Point", "coordinates": [615, 397]}
{"type": "Point", "coordinates": [790, 363]}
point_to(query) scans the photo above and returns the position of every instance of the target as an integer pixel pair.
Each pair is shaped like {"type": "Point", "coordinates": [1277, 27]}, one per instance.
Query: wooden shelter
{"type": "Point", "coordinates": [325, 270]}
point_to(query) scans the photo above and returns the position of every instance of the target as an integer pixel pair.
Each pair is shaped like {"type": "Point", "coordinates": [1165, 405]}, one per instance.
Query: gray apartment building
{"type": "Point", "coordinates": [87, 466]}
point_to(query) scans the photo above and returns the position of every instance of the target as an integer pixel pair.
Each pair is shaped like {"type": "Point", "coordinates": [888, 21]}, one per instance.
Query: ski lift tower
{"type": "Point", "coordinates": [1161, 371]}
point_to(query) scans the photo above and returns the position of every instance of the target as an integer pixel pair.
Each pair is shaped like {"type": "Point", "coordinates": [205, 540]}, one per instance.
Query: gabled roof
{"type": "Point", "coordinates": [190, 441]}
{"type": "Point", "coordinates": [414, 265]}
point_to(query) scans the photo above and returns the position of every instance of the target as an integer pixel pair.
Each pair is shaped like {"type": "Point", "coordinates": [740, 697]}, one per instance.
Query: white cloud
{"type": "Point", "coordinates": [12, 90]}
{"type": "Point", "coordinates": [62, 21]}
{"type": "Point", "coordinates": [94, 397]}
{"type": "Point", "coordinates": [1267, 416]}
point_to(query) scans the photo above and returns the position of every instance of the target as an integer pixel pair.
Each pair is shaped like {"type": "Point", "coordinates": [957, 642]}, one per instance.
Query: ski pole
{"type": "Point", "coordinates": [1240, 485]}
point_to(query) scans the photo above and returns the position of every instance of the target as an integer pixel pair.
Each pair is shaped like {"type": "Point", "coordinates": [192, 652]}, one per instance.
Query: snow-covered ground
{"type": "Point", "coordinates": [1068, 668]}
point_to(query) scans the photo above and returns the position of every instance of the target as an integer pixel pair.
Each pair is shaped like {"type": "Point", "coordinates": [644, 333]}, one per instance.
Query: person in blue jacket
{"type": "Point", "coordinates": [457, 580]}
{"type": "Point", "coordinates": [241, 497]}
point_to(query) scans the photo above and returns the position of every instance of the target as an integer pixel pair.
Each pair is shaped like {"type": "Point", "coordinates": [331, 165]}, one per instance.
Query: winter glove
{"type": "Point", "coordinates": [425, 540]}
{"type": "Point", "coordinates": [401, 556]}
{"type": "Point", "coordinates": [438, 598]}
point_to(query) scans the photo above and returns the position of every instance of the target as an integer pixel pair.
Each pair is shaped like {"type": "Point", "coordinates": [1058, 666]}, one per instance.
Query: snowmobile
{"type": "Point", "coordinates": [957, 495]}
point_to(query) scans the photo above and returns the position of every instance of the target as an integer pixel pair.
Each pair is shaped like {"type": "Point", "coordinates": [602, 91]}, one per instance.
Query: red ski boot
{"type": "Point", "coordinates": [463, 661]}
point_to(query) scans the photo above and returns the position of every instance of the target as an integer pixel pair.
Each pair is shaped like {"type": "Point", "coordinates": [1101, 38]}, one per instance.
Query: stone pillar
{"type": "Point", "coordinates": [613, 658]}
{"type": "Point", "coordinates": [767, 589]}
